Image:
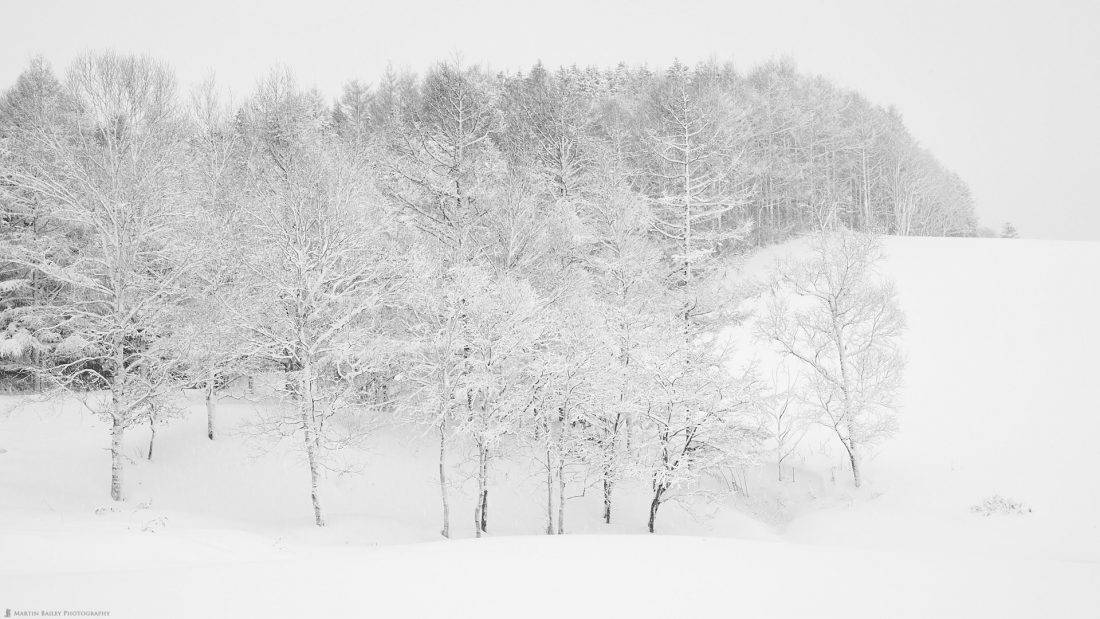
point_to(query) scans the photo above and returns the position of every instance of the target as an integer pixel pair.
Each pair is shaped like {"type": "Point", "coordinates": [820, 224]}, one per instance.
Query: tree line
{"type": "Point", "coordinates": [537, 263]}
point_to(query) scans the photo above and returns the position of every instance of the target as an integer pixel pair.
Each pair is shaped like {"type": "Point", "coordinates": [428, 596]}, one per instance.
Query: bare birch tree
{"type": "Point", "coordinates": [840, 322]}
{"type": "Point", "coordinates": [785, 421]}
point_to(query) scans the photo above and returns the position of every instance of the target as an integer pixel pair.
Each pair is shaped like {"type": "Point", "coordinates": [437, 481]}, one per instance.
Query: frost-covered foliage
{"type": "Point", "coordinates": [527, 266]}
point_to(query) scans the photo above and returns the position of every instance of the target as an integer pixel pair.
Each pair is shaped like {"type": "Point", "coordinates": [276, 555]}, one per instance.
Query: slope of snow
{"type": "Point", "coordinates": [998, 400]}
{"type": "Point", "coordinates": [585, 576]}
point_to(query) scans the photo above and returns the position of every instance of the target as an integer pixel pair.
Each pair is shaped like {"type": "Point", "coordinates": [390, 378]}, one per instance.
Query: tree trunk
{"type": "Point", "coordinates": [311, 456]}
{"type": "Point", "coordinates": [549, 494]}
{"type": "Point", "coordinates": [311, 440]}
{"type": "Point", "coordinates": [853, 457]}
{"type": "Point", "coordinates": [654, 505]}
{"type": "Point", "coordinates": [116, 460]}
{"type": "Point", "coordinates": [607, 487]}
{"type": "Point", "coordinates": [152, 436]}
{"type": "Point", "coordinates": [481, 508]}
{"type": "Point", "coordinates": [779, 441]}
{"type": "Point", "coordinates": [845, 390]}
{"type": "Point", "coordinates": [477, 513]}
{"type": "Point", "coordinates": [36, 355]}
{"type": "Point", "coordinates": [561, 497]}
{"type": "Point", "coordinates": [211, 405]}
{"type": "Point", "coordinates": [612, 449]}
{"type": "Point", "coordinates": [37, 383]}
{"type": "Point", "coordinates": [485, 494]}
{"type": "Point", "coordinates": [118, 381]}
{"type": "Point", "coordinates": [446, 532]}
{"type": "Point", "coordinates": [485, 510]}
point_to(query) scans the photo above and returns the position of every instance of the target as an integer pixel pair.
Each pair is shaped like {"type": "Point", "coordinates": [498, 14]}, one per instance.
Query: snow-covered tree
{"type": "Point", "coordinates": [35, 104]}
{"type": "Point", "coordinates": [623, 265]}
{"type": "Point", "coordinates": [435, 360]}
{"type": "Point", "coordinates": [112, 176]}
{"type": "Point", "coordinates": [214, 346]}
{"type": "Point", "coordinates": [443, 152]}
{"type": "Point", "coordinates": [441, 160]}
{"type": "Point", "coordinates": [698, 418]}
{"type": "Point", "coordinates": [318, 265]}
{"type": "Point", "coordinates": [691, 151]}
{"type": "Point", "coordinates": [352, 112]}
{"type": "Point", "coordinates": [503, 328]}
{"type": "Point", "coordinates": [838, 319]}
{"type": "Point", "coordinates": [530, 265]}
{"type": "Point", "coordinates": [549, 127]}
{"type": "Point", "coordinates": [574, 384]}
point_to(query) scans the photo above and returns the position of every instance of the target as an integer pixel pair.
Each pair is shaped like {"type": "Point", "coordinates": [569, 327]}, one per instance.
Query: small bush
{"type": "Point", "coordinates": [998, 504]}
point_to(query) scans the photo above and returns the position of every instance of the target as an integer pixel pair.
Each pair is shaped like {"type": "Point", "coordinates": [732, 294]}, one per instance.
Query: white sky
{"type": "Point", "coordinates": [1006, 93]}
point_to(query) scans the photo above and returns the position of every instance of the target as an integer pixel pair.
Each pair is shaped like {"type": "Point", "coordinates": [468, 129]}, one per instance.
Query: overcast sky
{"type": "Point", "coordinates": [1005, 93]}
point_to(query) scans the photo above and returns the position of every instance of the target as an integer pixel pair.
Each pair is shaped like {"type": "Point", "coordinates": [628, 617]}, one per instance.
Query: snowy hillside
{"type": "Point", "coordinates": [998, 401]}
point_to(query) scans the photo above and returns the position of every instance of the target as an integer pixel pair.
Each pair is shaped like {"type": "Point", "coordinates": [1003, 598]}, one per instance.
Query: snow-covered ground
{"type": "Point", "coordinates": [999, 400]}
